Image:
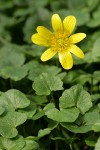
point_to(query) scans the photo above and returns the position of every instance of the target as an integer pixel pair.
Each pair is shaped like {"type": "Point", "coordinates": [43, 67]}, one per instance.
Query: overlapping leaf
{"type": "Point", "coordinates": [9, 122]}
{"type": "Point", "coordinates": [13, 99]}
{"type": "Point", "coordinates": [76, 96]}
{"type": "Point", "coordinates": [46, 83]}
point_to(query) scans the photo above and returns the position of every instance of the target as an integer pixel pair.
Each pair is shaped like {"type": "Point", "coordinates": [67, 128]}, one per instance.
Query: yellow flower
{"type": "Point", "coordinates": [60, 40]}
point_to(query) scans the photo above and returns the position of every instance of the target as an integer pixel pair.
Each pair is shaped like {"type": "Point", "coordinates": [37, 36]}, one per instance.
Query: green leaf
{"type": "Point", "coordinates": [96, 13]}
{"type": "Point", "coordinates": [46, 15]}
{"type": "Point", "coordinates": [29, 111]}
{"type": "Point", "coordinates": [15, 58]}
{"type": "Point", "coordinates": [83, 78]}
{"type": "Point", "coordinates": [62, 75]}
{"type": "Point", "coordinates": [84, 103]}
{"type": "Point", "coordinates": [82, 16]}
{"type": "Point", "coordinates": [13, 99]}
{"type": "Point", "coordinates": [95, 97]}
{"type": "Point", "coordinates": [67, 99]}
{"type": "Point", "coordinates": [6, 21]}
{"type": "Point", "coordinates": [95, 36]}
{"type": "Point", "coordinates": [64, 115]}
{"type": "Point", "coordinates": [13, 144]}
{"type": "Point", "coordinates": [29, 27]}
{"type": "Point", "coordinates": [40, 99]}
{"type": "Point", "coordinates": [99, 107]}
{"type": "Point", "coordinates": [70, 114]}
{"type": "Point", "coordinates": [4, 35]}
{"type": "Point", "coordinates": [73, 4]}
{"type": "Point", "coordinates": [93, 23]}
{"type": "Point", "coordinates": [38, 115]}
{"type": "Point", "coordinates": [6, 5]}
{"type": "Point", "coordinates": [34, 51]}
{"type": "Point", "coordinates": [90, 58]}
{"type": "Point", "coordinates": [46, 83]}
{"type": "Point", "coordinates": [20, 12]}
{"type": "Point", "coordinates": [96, 126]}
{"type": "Point", "coordinates": [43, 132]}
{"type": "Point", "coordinates": [96, 46]}
{"type": "Point", "coordinates": [30, 144]}
{"type": "Point", "coordinates": [52, 125]}
{"type": "Point", "coordinates": [94, 52]}
{"type": "Point", "coordinates": [97, 146]}
{"type": "Point", "coordinates": [37, 4]}
{"type": "Point", "coordinates": [58, 138]}
{"type": "Point", "coordinates": [76, 96]}
{"type": "Point", "coordinates": [15, 73]}
{"type": "Point", "coordinates": [1, 144]}
{"type": "Point", "coordinates": [35, 71]}
{"type": "Point", "coordinates": [2, 110]}
{"type": "Point", "coordinates": [92, 4]}
{"type": "Point", "coordinates": [96, 77]}
{"type": "Point", "coordinates": [78, 76]}
{"type": "Point", "coordinates": [91, 141]}
{"type": "Point", "coordinates": [91, 118]}
{"type": "Point", "coordinates": [93, 55]}
{"type": "Point", "coordinates": [9, 122]}
{"type": "Point", "coordinates": [19, 143]}
{"type": "Point", "coordinates": [86, 124]}
{"type": "Point", "coordinates": [49, 106]}
{"type": "Point", "coordinates": [76, 128]}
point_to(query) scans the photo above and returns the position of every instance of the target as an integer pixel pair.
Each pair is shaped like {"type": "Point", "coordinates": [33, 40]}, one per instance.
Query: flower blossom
{"type": "Point", "coordinates": [60, 40]}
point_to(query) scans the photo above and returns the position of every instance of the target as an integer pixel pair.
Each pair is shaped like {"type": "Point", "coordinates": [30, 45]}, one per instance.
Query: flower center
{"type": "Point", "coordinates": [59, 42]}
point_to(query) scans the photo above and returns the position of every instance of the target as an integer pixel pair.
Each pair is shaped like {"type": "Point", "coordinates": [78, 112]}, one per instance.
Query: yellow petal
{"type": "Point", "coordinates": [76, 51]}
{"type": "Point", "coordinates": [56, 23]}
{"type": "Point", "coordinates": [39, 40]}
{"type": "Point", "coordinates": [48, 54]}
{"type": "Point", "coordinates": [44, 32]}
{"type": "Point", "coordinates": [69, 24]}
{"type": "Point", "coordinates": [66, 60]}
{"type": "Point", "coordinates": [75, 38]}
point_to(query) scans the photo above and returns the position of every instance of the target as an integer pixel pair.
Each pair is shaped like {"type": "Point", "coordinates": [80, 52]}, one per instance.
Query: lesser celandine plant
{"type": "Point", "coordinates": [60, 40]}
{"type": "Point", "coordinates": [43, 106]}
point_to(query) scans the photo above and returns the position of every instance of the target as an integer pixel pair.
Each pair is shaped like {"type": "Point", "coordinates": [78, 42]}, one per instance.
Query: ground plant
{"type": "Point", "coordinates": [49, 74]}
